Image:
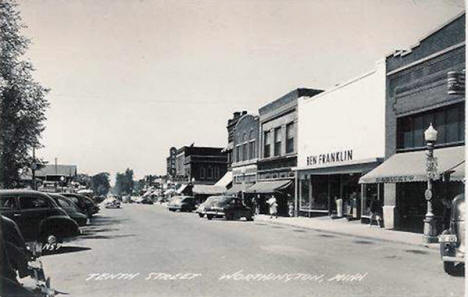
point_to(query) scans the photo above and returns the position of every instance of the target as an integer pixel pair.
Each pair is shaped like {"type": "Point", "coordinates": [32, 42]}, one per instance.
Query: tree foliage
{"type": "Point", "coordinates": [124, 182]}
{"type": "Point", "coordinates": [100, 183]}
{"type": "Point", "coordinates": [22, 99]}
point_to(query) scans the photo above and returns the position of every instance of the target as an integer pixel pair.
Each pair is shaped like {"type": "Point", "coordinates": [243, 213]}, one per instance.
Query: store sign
{"type": "Point", "coordinates": [328, 158]}
{"type": "Point", "coordinates": [395, 179]}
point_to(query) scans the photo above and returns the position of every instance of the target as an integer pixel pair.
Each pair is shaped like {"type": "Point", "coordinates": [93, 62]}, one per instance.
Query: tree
{"type": "Point", "coordinates": [22, 100]}
{"type": "Point", "coordinates": [124, 182]}
{"type": "Point", "coordinates": [100, 183]}
{"type": "Point", "coordinates": [83, 179]}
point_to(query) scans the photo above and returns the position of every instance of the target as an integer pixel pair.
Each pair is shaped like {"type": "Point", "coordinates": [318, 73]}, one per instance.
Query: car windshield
{"type": "Point", "coordinates": [187, 199]}
{"type": "Point", "coordinates": [223, 200]}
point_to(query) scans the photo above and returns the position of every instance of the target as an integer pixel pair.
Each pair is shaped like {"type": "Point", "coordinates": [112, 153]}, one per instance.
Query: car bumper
{"type": "Point", "coordinates": [215, 212]}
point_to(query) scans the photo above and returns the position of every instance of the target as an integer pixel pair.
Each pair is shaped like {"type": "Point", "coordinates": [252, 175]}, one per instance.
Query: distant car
{"type": "Point", "coordinates": [452, 240]}
{"type": "Point", "coordinates": [70, 208]}
{"type": "Point", "coordinates": [231, 208]}
{"type": "Point", "coordinates": [37, 215]}
{"type": "Point", "coordinates": [146, 200]}
{"type": "Point", "coordinates": [182, 203]}
{"type": "Point", "coordinates": [202, 207]}
{"type": "Point", "coordinates": [85, 204]}
{"type": "Point", "coordinates": [111, 203]}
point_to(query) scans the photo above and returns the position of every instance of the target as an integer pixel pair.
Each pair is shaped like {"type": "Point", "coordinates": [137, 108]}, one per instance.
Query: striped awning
{"type": "Point", "coordinates": [268, 187]}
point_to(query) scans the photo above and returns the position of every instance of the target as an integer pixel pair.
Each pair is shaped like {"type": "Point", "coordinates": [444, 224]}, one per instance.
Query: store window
{"type": "Point", "coordinates": [202, 173]}
{"type": "Point", "coordinates": [304, 195]}
{"type": "Point", "coordinates": [252, 150]}
{"type": "Point", "coordinates": [319, 199]}
{"type": "Point", "coordinates": [289, 138]}
{"type": "Point", "coordinates": [277, 132]}
{"type": "Point", "coordinates": [448, 121]}
{"type": "Point", "coordinates": [266, 144]}
{"type": "Point", "coordinates": [210, 172]}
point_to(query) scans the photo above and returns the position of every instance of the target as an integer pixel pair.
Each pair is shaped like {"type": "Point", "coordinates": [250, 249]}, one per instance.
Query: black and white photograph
{"type": "Point", "coordinates": [232, 148]}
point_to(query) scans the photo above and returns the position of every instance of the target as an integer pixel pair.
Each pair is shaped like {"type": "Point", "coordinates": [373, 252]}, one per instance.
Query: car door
{"type": "Point", "coordinates": [32, 210]}
{"type": "Point", "coordinates": [9, 206]}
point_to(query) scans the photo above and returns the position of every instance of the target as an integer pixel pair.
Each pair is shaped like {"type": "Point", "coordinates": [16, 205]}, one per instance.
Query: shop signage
{"type": "Point", "coordinates": [456, 83]}
{"type": "Point", "coordinates": [395, 179]}
{"type": "Point", "coordinates": [328, 158]}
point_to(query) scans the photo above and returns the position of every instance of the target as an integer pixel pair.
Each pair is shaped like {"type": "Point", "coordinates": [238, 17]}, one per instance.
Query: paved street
{"type": "Point", "coordinates": [148, 239]}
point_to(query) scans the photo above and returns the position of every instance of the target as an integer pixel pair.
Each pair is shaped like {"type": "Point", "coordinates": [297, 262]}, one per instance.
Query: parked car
{"type": "Point", "coordinates": [70, 208]}
{"type": "Point", "coordinates": [452, 240]}
{"type": "Point", "coordinates": [230, 208]}
{"type": "Point", "coordinates": [182, 203]}
{"type": "Point", "coordinates": [85, 204]}
{"type": "Point", "coordinates": [38, 216]}
{"type": "Point", "coordinates": [202, 207]}
{"type": "Point", "coordinates": [111, 202]}
{"type": "Point", "coordinates": [146, 200]}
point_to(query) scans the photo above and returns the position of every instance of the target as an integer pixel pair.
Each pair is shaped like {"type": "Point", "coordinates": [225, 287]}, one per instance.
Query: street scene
{"type": "Point", "coordinates": [232, 148]}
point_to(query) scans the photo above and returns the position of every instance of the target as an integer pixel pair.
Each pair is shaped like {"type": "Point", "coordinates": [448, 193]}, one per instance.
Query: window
{"type": "Point", "coordinates": [289, 138]}
{"type": "Point", "coordinates": [244, 152]}
{"type": "Point", "coordinates": [266, 144]}
{"type": "Point", "coordinates": [202, 173]}
{"type": "Point", "coordinates": [251, 134]}
{"type": "Point", "coordinates": [252, 150]}
{"type": "Point", "coordinates": [277, 151]}
{"type": "Point", "coordinates": [448, 121]}
{"type": "Point", "coordinates": [33, 202]}
{"type": "Point", "coordinates": [210, 172]}
{"type": "Point", "coordinates": [217, 173]}
{"type": "Point", "coordinates": [64, 203]}
{"type": "Point", "coordinates": [7, 203]}
{"type": "Point", "coordinates": [238, 158]}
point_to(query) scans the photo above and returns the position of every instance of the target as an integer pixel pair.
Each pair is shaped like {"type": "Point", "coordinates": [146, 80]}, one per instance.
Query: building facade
{"type": "Point", "coordinates": [425, 85]}
{"type": "Point", "coordinates": [341, 136]}
{"type": "Point", "coordinates": [200, 165]}
{"type": "Point", "coordinates": [277, 150]}
{"type": "Point", "coordinates": [245, 153]}
{"type": "Point", "coordinates": [230, 129]}
{"type": "Point", "coordinates": [171, 162]}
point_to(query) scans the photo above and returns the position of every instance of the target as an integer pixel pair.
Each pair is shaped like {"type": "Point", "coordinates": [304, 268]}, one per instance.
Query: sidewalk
{"type": "Point", "coordinates": [349, 228]}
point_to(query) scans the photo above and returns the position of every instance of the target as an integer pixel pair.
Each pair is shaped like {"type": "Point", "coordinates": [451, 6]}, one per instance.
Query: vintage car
{"type": "Point", "coordinates": [182, 203]}
{"type": "Point", "coordinates": [70, 208]}
{"type": "Point", "coordinates": [452, 240]}
{"type": "Point", "coordinates": [84, 203]}
{"type": "Point", "coordinates": [202, 207]}
{"type": "Point", "coordinates": [231, 208]}
{"type": "Point", "coordinates": [38, 216]}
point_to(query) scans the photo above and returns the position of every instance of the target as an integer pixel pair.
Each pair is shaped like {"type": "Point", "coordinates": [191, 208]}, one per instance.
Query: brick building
{"type": "Point", "coordinates": [425, 85]}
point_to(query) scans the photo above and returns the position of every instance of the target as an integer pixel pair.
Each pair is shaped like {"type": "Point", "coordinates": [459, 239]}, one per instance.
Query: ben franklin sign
{"type": "Point", "coordinates": [327, 158]}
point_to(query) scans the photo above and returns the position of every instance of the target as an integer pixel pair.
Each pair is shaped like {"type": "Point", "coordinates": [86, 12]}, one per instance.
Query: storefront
{"type": "Point", "coordinates": [341, 137]}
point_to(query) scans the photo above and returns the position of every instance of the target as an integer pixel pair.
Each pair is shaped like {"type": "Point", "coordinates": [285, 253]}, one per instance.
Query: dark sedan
{"type": "Point", "coordinates": [70, 208]}
{"type": "Point", "coordinates": [85, 204]}
{"type": "Point", "coordinates": [231, 208]}
{"type": "Point", "coordinates": [38, 216]}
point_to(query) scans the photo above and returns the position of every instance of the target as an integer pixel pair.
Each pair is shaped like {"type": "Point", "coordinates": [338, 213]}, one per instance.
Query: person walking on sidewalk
{"type": "Point", "coordinates": [376, 213]}
{"type": "Point", "coordinates": [273, 207]}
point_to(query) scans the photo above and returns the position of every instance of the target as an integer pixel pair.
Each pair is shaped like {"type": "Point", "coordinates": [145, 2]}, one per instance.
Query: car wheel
{"type": "Point", "coordinates": [209, 217]}
{"type": "Point", "coordinates": [249, 218]}
{"type": "Point", "coordinates": [201, 215]}
{"type": "Point", "coordinates": [449, 267]}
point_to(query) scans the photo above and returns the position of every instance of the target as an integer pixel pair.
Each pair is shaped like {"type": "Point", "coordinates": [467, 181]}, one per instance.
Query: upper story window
{"type": "Point", "coordinates": [266, 144]}
{"type": "Point", "coordinates": [290, 138]}
{"type": "Point", "coordinates": [252, 149]}
{"type": "Point", "coordinates": [244, 152]}
{"type": "Point", "coordinates": [238, 153]}
{"type": "Point", "coordinates": [449, 122]}
{"type": "Point", "coordinates": [277, 132]}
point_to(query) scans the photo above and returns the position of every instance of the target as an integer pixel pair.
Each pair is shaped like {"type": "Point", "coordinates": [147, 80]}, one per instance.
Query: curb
{"type": "Point", "coordinates": [422, 245]}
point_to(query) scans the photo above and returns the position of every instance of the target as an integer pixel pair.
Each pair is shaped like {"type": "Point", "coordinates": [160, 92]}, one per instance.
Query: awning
{"type": "Point", "coordinates": [207, 190]}
{"type": "Point", "coordinates": [411, 166]}
{"type": "Point", "coordinates": [225, 180]}
{"type": "Point", "coordinates": [267, 187]}
{"type": "Point", "coordinates": [457, 173]}
{"type": "Point", "coordinates": [236, 188]}
{"type": "Point", "coordinates": [181, 189]}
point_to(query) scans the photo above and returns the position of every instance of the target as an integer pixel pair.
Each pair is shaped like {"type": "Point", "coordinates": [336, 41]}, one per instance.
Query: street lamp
{"type": "Point", "coordinates": [430, 232]}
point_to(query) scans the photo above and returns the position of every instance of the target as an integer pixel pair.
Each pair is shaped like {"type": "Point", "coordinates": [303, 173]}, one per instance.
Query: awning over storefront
{"type": "Point", "coordinates": [267, 187]}
{"type": "Point", "coordinates": [181, 189]}
{"type": "Point", "coordinates": [457, 173]}
{"type": "Point", "coordinates": [236, 188]}
{"type": "Point", "coordinates": [225, 181]}
{"type": "Point", "coordinates": [207, 190]}
{"type": "Point", "coordinates": [411, 166]}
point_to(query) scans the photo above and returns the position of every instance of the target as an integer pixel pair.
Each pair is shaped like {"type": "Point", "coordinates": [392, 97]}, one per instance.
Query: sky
{"type": "Point", "coordinates": [129, 79]}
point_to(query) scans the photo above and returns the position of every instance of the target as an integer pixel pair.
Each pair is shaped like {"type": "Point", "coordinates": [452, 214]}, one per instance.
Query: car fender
{"type": "Point", "coordinates": [64, 225]}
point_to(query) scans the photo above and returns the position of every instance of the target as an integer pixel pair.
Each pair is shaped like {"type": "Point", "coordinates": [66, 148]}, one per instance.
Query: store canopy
{"type": "Point", "coordinates": [207, 190]}
{"type": "Point", "coordinates": [411, 166]}
{"type": "Point", "coordinates": [236, 188]}
{"type": "Point", "coordinates": [225, 181]}
{"type": "Point", "coordinates": [267, 187]}
{"type": "Point", "coordinates": [181, 189]}
{"type": "Point", "coordinates": [457, 173]}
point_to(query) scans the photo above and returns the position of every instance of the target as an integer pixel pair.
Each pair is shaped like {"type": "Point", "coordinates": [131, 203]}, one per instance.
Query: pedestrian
{"type": "Point", "coordinates": [273, 207]}
{"type": "Point", "coordinates": [375, 209]}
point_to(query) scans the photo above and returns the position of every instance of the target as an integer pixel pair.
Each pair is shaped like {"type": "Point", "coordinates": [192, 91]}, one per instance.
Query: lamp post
{"type": "Point", "coordinates": [430, 232]}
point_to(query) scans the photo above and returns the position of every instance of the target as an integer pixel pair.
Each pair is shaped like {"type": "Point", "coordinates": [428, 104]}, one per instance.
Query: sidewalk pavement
{"type": "Point", "coordinates": [349, 228]}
